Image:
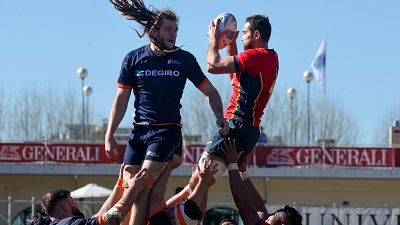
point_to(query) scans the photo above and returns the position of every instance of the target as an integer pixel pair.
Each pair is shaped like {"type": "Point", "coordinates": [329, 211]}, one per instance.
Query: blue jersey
{"type": "Point", "coordinates": [76, 221]}
{"type": "Point", "coordinates": [158, 83]}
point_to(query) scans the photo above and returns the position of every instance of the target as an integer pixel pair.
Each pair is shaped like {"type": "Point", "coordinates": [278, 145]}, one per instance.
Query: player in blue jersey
{"type": "Point", "coordinates": [157, 74]}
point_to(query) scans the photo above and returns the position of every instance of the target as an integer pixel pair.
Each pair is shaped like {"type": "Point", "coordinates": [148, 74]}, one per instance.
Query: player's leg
{"type": "Point", "coordinates": [141, 205]}
{"type": "Point", "coordinates": [133, 158]}
{"type": "Point", "coordinates": [162, 143]}
{"type": "Point", "coordinates": [246, 138]}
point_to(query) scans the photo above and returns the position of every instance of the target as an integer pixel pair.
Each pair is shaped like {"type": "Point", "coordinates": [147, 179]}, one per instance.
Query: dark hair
{"type": "Point", "coordinates": [192, 210]}
{"type": "Point", "coordinates": [51, 199]}
{"type": "Point", "coordinates": [260, 23]}
{"type": "Point", "coordinates": [227, 220]}
{"type": "Point", "coordinates": [150, 19]}
{"type": "Point", "coordinates": [292, 215]}
{"type": "Point", "coordinates": [38, 219]}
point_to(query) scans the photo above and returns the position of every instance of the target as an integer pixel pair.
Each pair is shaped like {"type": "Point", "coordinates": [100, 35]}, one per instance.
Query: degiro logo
{"type": "Point", "coordinates": [143, 73]}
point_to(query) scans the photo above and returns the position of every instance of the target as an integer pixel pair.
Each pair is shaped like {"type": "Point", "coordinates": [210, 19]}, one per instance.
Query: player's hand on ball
{"type": "Point", "coordinates": [213, 32]}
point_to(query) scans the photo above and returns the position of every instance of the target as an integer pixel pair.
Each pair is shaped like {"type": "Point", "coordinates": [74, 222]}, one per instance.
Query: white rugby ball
{"type": "Point", "coordinates": [227, 23]}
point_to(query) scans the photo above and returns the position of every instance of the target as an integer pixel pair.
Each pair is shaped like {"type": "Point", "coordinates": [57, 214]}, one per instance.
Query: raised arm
{"type": "Point", "coordinates": [215, 63]}
{"type": "Point", "coordinates": [116, 214]}
{"type": "Point", "coordinates": [231, 50]}
{"type": "Point", "coordinates": [205, 178]}
{"type": "Point", "coordinates": [256, 198]}
{"type": "Point", "coordinates": [117, 113]}
{"type": "Point", "coordinates": [184, 194]}
{"type": "Point", "coordinates": [215, 102]}
{"type": "Point", "coordinates": [239, 190]}
{"type": "Point", "coordinates": [116, 194]}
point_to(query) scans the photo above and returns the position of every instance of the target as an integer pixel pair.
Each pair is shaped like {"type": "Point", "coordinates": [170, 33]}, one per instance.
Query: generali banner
{"type": "Point", "coordinates": [261, 155]}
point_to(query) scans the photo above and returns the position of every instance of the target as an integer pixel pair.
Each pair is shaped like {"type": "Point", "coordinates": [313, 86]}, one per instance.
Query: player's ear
{"type": "Point", "coordinates": [257, 34]}
{"type": "Point", "coordinates": [64, 206]}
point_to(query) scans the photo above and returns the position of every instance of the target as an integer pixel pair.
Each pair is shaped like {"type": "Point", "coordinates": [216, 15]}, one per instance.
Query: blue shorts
{"type": "Point", "coordinates": [245, 135]}
{"type": "Point", "coordinates": [154, 143]}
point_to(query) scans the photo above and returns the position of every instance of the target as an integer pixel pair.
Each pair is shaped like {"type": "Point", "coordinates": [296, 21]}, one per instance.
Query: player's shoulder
{"type": "Point", "coordinates": [185, 54]}
{"type": "Point", "coordinates": [261, 51]}
{"type": "Point", "coordinates": [139, 51]}
{"type": "Point", "coordinates": [137, 54]}
{"type": "Point", "coordinates": [76, 221]}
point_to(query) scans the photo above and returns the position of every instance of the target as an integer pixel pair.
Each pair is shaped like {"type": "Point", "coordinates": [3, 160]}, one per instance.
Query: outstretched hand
{"type": "Point", "coordinates": [229, 150]}
{"type": "Point", "coordinates": [140, 180]}
{"type": "Point", "coordinates": [207, 174]}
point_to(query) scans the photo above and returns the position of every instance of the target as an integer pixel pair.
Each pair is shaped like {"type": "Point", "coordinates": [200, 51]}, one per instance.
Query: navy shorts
{"type": "Point", "coordinates": [154, 143]}
{"type": "Point", "coordinates": [245, 135]}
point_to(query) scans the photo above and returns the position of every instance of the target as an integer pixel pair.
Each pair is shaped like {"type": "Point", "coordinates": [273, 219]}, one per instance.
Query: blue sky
{"type": "Point", "coordinates": [44, 42]}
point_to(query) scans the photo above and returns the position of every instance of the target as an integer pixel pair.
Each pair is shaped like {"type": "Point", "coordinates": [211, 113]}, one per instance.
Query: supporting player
{"type": "Point", "coordinates": [248, 201]}
{"type": "Point", "coordinates": [157, 74]}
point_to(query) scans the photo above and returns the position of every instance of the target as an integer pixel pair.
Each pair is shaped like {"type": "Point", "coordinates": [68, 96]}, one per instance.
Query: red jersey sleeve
{"type": "Point", "coordinates": [248, 60]}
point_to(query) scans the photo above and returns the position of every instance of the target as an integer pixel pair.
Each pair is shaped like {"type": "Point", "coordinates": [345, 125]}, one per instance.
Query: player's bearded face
{"type": "Point", "coordinates": [77, 212]}
{"type": "Point", "coordinates": [74, 208]}
{"type": "Point", "coordinates": [166, 35]}
{"type": "Point", "coordinates": [247, 37]}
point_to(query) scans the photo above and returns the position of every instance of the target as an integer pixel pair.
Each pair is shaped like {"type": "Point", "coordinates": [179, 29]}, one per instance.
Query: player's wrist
{"type": "Point", "coordinates": [233, 166]}
{"type": "Point", "coordinates": [188, 189]}
{"type": "Point", "coordinates": [213, 42]}
{"type": "Point", "coordinates": [108, 136]}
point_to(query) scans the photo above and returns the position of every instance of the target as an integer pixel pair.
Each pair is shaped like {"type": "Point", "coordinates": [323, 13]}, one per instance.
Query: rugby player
{"type": "Point", "coordinates": [156, 73]}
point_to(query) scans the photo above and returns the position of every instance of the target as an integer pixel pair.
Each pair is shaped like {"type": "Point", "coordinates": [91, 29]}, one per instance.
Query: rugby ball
{"type": "Point", "coordinates": [228, 25]}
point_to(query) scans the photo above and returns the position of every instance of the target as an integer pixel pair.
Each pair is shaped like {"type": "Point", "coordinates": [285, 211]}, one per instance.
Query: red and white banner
{"type": "Point", "coordinates": [309, 156]}
{"type": "Point", "coordinates": [261, 156]}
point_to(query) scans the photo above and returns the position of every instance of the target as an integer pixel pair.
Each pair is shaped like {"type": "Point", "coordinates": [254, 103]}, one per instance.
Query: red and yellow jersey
{"type": "Point", "coordinates": [253, 83]}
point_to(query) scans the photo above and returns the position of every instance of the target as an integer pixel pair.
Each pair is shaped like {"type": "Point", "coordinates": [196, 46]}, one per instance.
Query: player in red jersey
{"type": "Point", "coordinates": [252, 73]}
{"type": "Point", "coordinates": [249, 203]}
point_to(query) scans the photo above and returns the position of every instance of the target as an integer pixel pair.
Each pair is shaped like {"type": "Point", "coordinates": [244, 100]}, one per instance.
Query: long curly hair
{"type": "Point", "coordinates": [149, 19]}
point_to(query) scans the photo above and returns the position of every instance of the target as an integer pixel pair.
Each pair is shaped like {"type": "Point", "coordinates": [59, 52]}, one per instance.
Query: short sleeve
{"type": "Point", "coordinates": [246, 60]}
{"type": "Point", "coordinates": [126, 78]}
{"type": "Point", "coordinates": [196, 76]}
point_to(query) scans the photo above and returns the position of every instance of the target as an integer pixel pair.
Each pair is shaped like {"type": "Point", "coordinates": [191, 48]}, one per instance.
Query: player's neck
{"type": "Point", "coordinates": [156, 50]}
{"type": "Point", "coordinates": [261, 45]}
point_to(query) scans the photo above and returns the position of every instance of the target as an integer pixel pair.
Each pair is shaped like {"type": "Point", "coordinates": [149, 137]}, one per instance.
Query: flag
{"type": "Point", "coordinates": [319, 62]}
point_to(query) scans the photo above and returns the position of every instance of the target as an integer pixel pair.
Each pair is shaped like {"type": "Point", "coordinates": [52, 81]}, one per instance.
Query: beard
{"type": "Point", "coordinates": [76, 212]}
{"type": "Point", "coordinates": [161, 43]}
